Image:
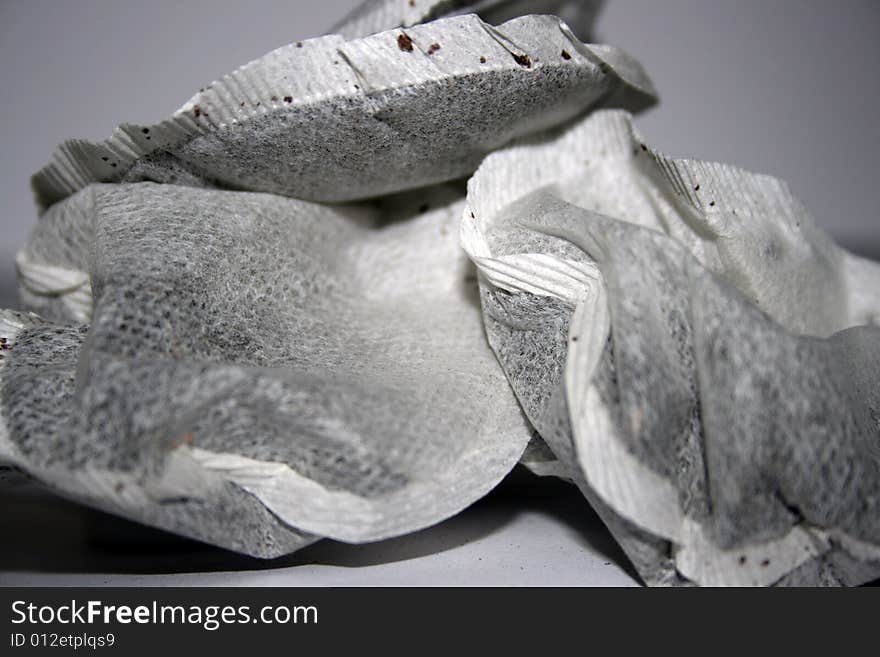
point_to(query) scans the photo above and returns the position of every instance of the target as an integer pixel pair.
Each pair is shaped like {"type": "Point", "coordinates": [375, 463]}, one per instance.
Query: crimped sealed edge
{"type": "Point", "coordinates": [301, 73]}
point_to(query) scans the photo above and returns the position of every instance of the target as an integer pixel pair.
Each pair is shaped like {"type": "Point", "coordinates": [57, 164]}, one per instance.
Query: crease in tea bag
{"type": "Point", "coordinates": [615, 377]}
{"type": "Point", "coordinates": [327, 364]}
{"type": "Point", "coordinates": [332, 120]}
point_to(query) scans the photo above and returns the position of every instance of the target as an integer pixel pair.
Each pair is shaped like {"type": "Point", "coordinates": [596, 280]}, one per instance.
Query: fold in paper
{"type": "Point", "coordinates": [335, 120]}
{"type": "Point", "coordinates": [693, 408]}
{"type": "Point", "coordinates": [311, 371]}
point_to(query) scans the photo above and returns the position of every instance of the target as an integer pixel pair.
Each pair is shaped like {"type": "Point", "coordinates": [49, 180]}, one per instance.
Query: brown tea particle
{"type": "Point", "coordinates": [288, 99]}
{"type": "Point", "coordinates": [434, 47]}
{"type": "Point", "coordinates": [523, 60]}
{"type": "Point", "coordinates": [405, 43]}
{"type": "Point", "coordinates": [565, 55]}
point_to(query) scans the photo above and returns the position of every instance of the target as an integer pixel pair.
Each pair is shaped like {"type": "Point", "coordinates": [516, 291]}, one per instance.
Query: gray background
{"type": "Point", "coordinates": [786, 87]}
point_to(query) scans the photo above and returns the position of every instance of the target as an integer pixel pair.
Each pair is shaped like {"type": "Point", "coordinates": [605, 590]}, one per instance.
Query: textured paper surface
{"type": "Point", "coordinates": [331, 363]}
{"type": "Point", "coordinates": [333, 120]}
{"type": "Point", "coordinates": [699, 415]}
{"type": "Point", "coordinates": [264, 320]}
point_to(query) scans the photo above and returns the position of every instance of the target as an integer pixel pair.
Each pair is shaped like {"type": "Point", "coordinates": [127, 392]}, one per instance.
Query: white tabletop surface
{"type": "Point", "coordinates": [529, 531]}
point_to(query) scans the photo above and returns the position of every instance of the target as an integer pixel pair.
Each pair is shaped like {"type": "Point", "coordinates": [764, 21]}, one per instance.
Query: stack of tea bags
{"type": "Point", "coordinates": [346, 288]}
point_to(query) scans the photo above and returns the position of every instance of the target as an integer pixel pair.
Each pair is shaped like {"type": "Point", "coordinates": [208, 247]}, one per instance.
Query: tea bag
{"type": "Point", "coordinates": [38, 370]}
{"type": "Point", "coordinates": [315, 371]}
{"type": "Point", "coordinates": [608, 331]}
{"type": "Point", "coordinates": [330, 119]}
{"type": "Point", "coordinates": [745, 226]}
{"type": "Point", "coordinates": [374, 16]}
